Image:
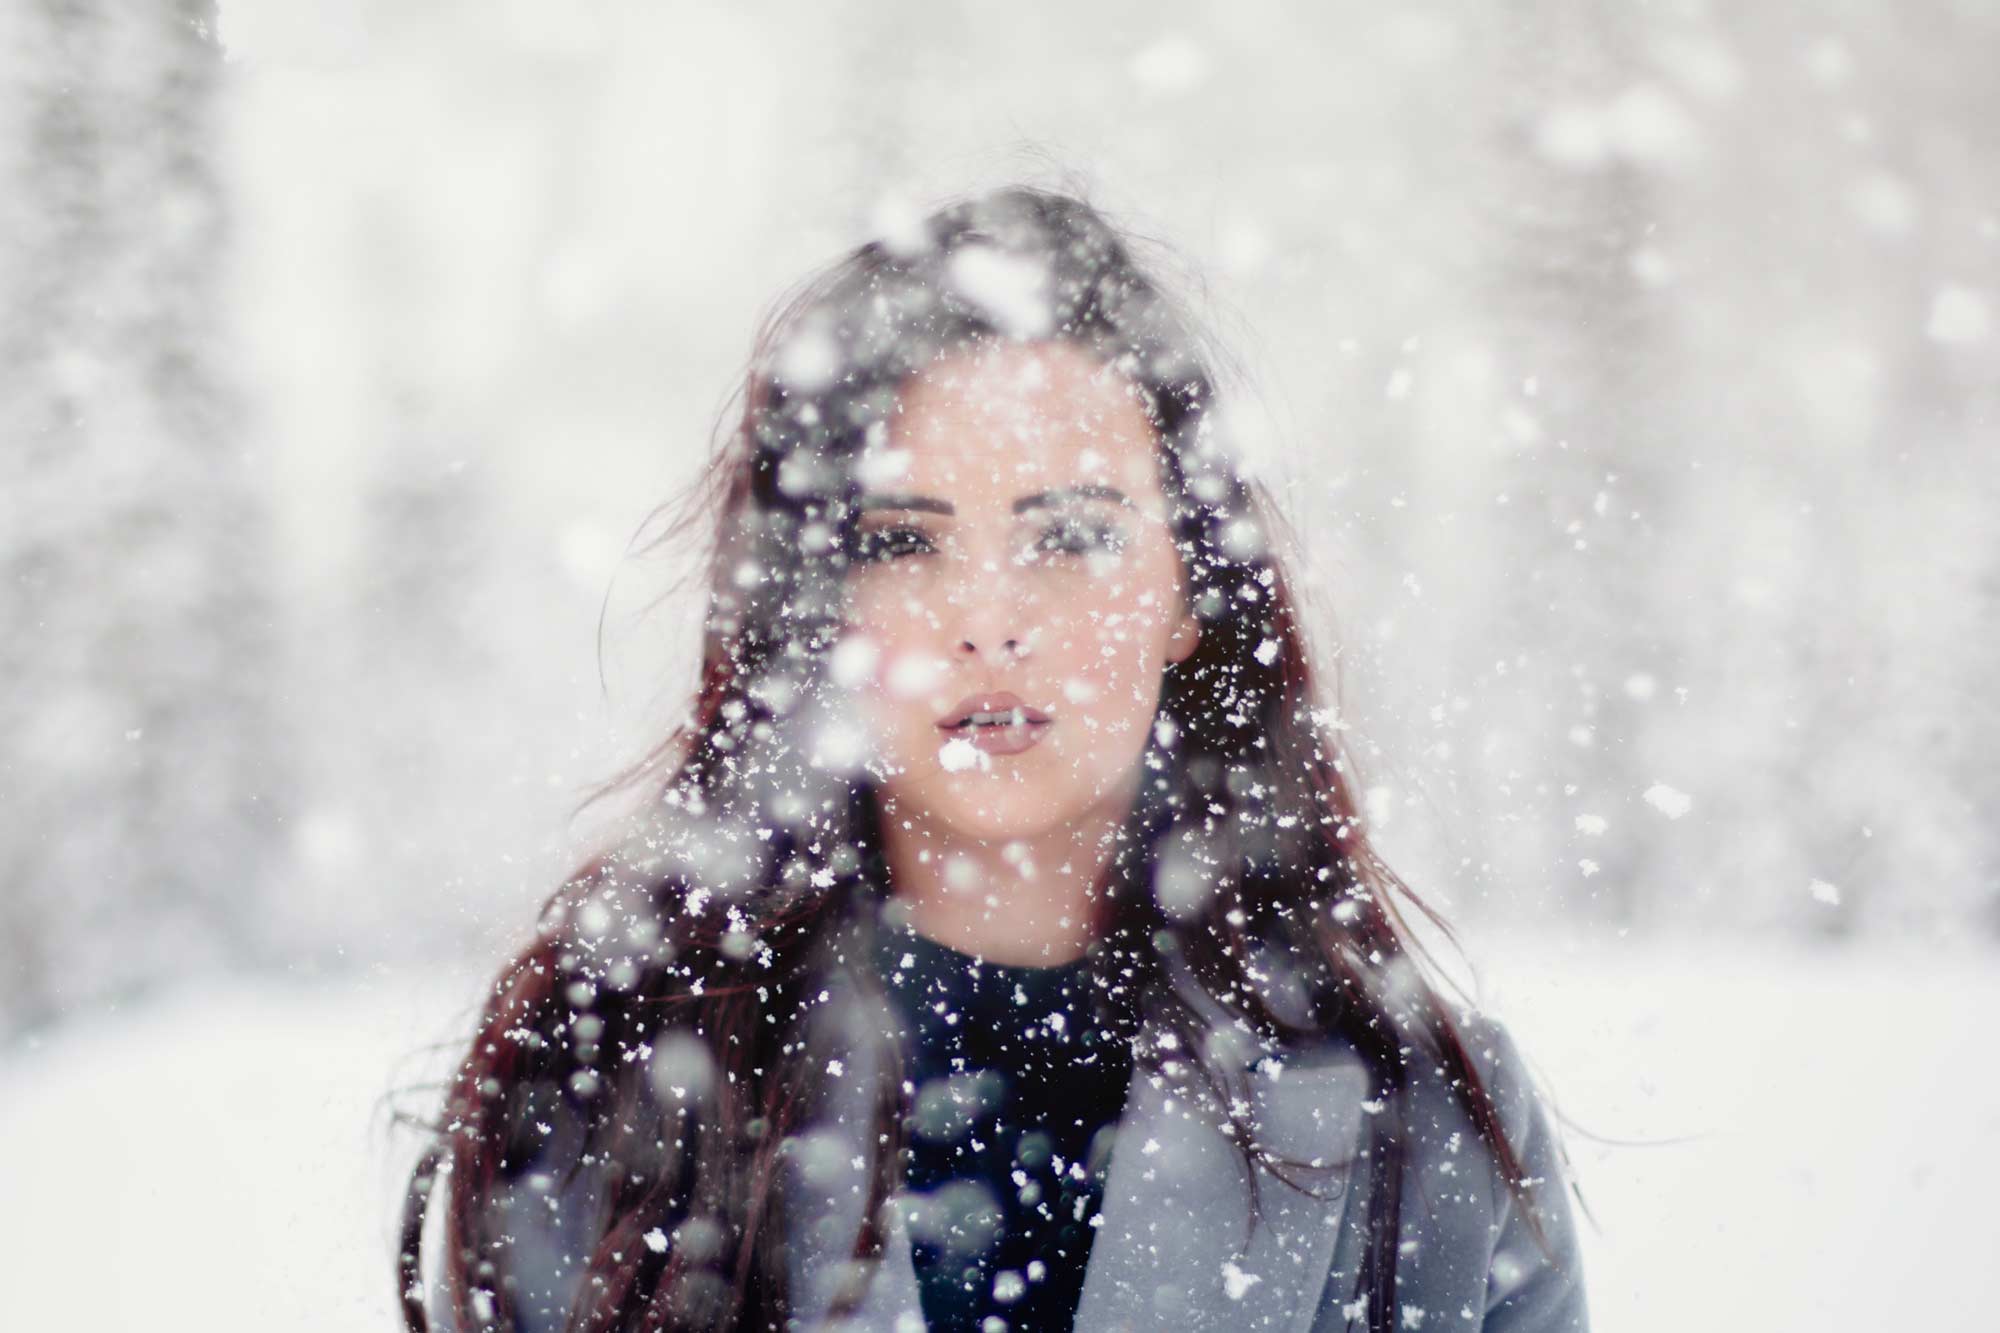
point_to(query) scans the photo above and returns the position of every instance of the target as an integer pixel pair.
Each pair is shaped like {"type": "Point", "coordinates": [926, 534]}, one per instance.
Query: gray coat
{"type": "Point", "coordinates": [1171, 1252]}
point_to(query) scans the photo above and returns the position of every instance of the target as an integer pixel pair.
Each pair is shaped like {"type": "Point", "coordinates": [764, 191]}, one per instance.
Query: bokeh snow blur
{"type": "Point", "coordinates": [1631, 373]}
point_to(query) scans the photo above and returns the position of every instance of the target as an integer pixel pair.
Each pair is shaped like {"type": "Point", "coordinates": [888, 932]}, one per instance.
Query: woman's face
{"type": "Point", "coordinates": [1014, 538]}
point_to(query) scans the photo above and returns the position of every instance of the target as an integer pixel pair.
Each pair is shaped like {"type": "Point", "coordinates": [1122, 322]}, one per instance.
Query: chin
{"type": "Point", "coordinates": [996, 814]}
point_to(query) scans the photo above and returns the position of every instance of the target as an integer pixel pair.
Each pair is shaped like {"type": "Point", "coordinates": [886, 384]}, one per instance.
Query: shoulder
{"type": "Point", "coordinates": [1503, 1070]}
{"type": "Point", "coordinates": [1437, 1112]}
{"type": "Point", "coordinates": [538, 1220]}
{"type": "Point", "coordinates": [1469, 1243]}
{"type": "Point", "coordinates": [1534, 1267]}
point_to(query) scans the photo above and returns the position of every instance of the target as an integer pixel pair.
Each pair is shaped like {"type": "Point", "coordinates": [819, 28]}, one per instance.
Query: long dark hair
{"type": "Point", "coordinates": [1245, 861]}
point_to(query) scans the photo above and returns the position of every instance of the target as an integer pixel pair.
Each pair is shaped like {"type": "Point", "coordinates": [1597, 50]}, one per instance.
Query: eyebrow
{"type": "Point", "coordinates": [1038, 500]}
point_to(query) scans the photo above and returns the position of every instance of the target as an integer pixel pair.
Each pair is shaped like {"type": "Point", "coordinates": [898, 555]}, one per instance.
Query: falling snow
{"type": "Point", "coordinates": [1669, 801]}
{"type": "Point", "coordinates": [1611, 478]}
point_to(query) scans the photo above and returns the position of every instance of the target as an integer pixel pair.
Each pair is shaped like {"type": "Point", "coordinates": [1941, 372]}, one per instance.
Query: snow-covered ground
{"type": "Point", "coordinates": [1817, 1141]}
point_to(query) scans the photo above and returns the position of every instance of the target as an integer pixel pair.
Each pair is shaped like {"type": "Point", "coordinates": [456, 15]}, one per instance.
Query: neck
{"type": "Point", "coordinates": [1023, 901]}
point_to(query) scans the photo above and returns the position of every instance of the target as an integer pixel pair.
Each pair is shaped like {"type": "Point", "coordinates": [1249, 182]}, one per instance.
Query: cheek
{"type": "Point", "coordinates": [1108, 664]}
{"type": "Point", "coordinates": [896, 672]}
{"type": "Point", "coordinates": [874, 604]}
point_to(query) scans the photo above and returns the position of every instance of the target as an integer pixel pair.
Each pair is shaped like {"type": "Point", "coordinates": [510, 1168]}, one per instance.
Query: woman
{"type": "Point", "coordinates": [1002, 947]}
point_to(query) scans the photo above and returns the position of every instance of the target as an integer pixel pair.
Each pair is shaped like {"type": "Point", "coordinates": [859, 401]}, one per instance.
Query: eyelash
{"type": "Point", "coordinates": [1080, 538]}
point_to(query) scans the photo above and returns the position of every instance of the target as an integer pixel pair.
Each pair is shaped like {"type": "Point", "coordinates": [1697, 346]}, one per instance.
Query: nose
{"type": "Point", "coordinates": [992, 623]}
{"type": "Point", "coordinates": [1008, 652]}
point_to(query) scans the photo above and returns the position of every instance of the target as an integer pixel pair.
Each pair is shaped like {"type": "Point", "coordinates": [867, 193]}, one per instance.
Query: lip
{"type": "Point", "coordinates": [1012, 738]}
{"type": "Point", "coordinates": [994, 702]}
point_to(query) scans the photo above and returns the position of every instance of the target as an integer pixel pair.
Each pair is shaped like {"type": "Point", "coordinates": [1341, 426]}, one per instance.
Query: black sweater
{"type": "Point", "coordinates": [1014, 1082]}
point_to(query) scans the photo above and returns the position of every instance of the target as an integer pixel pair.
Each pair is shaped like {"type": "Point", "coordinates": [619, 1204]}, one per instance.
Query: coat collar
{"type": "Point", "coordinates": [1172, 1251]}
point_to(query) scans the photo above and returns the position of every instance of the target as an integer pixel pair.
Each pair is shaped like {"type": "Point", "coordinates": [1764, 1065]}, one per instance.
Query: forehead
{"type": "Point", "coordinates": [1017, 414]}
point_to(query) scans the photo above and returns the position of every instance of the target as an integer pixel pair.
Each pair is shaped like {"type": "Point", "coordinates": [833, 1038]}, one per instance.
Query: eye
{"type": "Point", "coordinates": [1079, 537]}
{"type": "Point", "coordinates": [873, 545]}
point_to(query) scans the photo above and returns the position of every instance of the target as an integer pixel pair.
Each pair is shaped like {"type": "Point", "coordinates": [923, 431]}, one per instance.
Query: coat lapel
{"type": "Point", "coordinates": [1172, 1251]}
{"type": "Point", "coordinates": [894, 1303]}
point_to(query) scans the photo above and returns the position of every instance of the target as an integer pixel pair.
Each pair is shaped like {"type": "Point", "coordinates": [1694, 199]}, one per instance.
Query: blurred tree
{"type": "Point", "coordinates": [141, 798]}
{"type": "Point", "coordinates": [1590, 475]}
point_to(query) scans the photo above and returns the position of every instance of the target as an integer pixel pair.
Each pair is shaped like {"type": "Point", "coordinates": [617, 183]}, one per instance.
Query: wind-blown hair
{"type": "Point", "coordinates": [692, 953]}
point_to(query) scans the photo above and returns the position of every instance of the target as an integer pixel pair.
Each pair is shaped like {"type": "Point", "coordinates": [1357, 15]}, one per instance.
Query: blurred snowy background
{"type": "Point", "coordinates": [1631, 369]}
